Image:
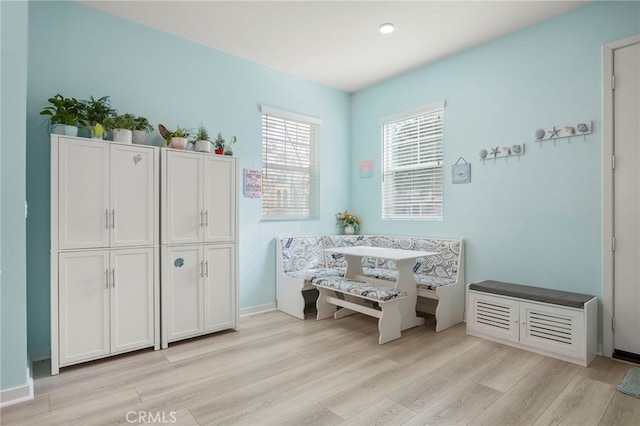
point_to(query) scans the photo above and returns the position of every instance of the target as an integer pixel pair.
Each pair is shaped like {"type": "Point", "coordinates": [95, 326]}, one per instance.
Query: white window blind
{"type": "Point", "coordinates": [412, 181]}
{"type": "Point", "coordinates": [290, 165]}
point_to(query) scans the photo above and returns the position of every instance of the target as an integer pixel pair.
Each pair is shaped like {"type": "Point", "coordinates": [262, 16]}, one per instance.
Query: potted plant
{"type": "Point", "coordinates": [98, 131]}
{"type": "Point", "coordinates": [219, 144]}
{"type": "Point", "coordinates": [96, 111]}
{"type": "Point", "coordinates": [229, 149]}
{"type": "Point", "coordinates": [176, 139]}
{"type": "Point", "coordinates": [141, 128]}
{"type": "Point", "coordinates": [202, 142]}
{"type": "Point", "coordinates": [65, 115]}
{"type": "Point", "coordinates": [122, 127]}
{"type": "Point", "coordinates": [349, 221]}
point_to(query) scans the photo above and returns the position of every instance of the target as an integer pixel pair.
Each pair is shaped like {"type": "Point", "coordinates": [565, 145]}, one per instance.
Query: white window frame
{"type": "Point", "coordinates": [413, 164]}
{"type": "Point", "coordinates": [293, 167]}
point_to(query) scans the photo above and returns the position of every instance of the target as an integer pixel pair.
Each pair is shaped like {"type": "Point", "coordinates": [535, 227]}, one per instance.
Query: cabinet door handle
{"type": "Point", "coordinates": [106, 218]}
{"type": "Point", "coordinates": [201, 218]}
{"type": "Point", "coordinates": [106, 279]}
{"type": "Point", "coordinates": [113, 218]}
{"type": "Point", "coordinates": [201, 269]}
{"type": "Point", "coordinates": [206, 218]}
{"type": "Point", "coordinates": [113, 278]}
{"type": "Point", "coordinates": [207, 265]}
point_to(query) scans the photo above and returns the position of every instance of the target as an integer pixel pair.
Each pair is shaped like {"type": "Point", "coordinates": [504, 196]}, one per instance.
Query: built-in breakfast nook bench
{"type": "Point", "coordinates": [372, 274]}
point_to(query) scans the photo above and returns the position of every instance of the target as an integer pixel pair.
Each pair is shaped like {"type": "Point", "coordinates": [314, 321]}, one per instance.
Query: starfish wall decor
{"type": "Point", "coordinates": [565, 131]}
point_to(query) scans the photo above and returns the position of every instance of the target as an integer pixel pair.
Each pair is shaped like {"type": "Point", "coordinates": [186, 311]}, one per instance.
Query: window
{"type": "Point", "coordinates": [290, 165]}
{"type": "Point", "coordinates": [412, 171]}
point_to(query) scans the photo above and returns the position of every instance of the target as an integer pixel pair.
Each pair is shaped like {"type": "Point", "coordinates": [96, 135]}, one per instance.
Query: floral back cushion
{"type": "Point", "coordinates": [337, 260]}
{"type": "Point", "coordinates": [386, 241]}
{"type": "Point", "coordinates": [299, 253]}
{"type": "Point", "coordinates": [442, 265]}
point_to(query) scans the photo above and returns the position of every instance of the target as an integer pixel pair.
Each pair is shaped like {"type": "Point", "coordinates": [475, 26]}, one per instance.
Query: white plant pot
{"type": "Point", "coordinates": [139, 137]}
{"type": "Point", "coordinates": [178, 143]}
{"type": "Point", "coordinates": [63, 129]}
{"type": "Point", "coordinates": [203, 146]}
{"type": "Point", "coordinates": [349, 230]}
{"type": "Point", "coordinates": [122, 135]}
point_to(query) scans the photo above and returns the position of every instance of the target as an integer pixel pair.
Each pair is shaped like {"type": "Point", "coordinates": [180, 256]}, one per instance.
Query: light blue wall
{"type": "Point", "coordinates": [13, 287]}
{"type": "Point", "coordinates": [534, 220]}
{"type": "Point", "coordinates": [78, 52]}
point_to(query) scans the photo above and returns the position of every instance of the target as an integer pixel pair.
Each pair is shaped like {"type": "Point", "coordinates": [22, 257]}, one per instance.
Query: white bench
{"type": "Point", "coordinates": [554, 323]}
{"type": "Point", "coordinates": [385, 303]}
{"type": "Point", "coordinates": [439, 278]}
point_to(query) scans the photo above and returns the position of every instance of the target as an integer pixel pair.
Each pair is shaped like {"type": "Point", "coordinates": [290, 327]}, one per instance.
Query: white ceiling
{"type": "Point", "coordinates": [337, 43]}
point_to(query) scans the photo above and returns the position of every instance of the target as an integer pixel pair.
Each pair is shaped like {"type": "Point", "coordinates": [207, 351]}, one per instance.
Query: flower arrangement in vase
{"type": "Point", "coordinates": [349, 221]}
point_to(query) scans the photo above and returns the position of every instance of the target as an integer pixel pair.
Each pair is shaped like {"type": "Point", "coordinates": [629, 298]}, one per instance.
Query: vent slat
{"type": "Point", "coordinates": [492, 324]}
{"type": "Point", "coordinates": [552, 328]}
{"type": "Point", "coordinates": [548, 337]}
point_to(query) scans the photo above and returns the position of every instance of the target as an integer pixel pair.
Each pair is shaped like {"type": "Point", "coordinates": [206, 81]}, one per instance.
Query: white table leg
{"type": "Point", "coordinates": [354, 265]}
{"type": "Point", "coordinates": [407, 283]}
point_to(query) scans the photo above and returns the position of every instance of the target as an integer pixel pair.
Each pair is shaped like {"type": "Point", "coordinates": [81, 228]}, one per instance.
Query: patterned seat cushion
{"type": "Point", "coordinates": [312, 274]}
{"type": "Point", "coordinates": [429, 282]}
{"type": "Point", "coordinates": [426, 282]}
{"type": "Point", "coordinates": [360, 288]}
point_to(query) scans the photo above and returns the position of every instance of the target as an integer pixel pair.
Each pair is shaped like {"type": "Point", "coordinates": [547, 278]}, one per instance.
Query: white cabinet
{"type": "Point", "coordinates": [106, 302]}
{"type": "Point", "coordinates": [198, 291]}
{"type": "Point", "coordinates": [104, 255]}
{"type": "Point", "coordinates": [219, 294]}
{"type": "Point", "coordinates": [199, 248]}
{"type": "Point", "coordinates": [558, 331]}
{"type": "Point", "coordinates": [200, 198]}
{"type": "Point", "coordinates": [106, 193]}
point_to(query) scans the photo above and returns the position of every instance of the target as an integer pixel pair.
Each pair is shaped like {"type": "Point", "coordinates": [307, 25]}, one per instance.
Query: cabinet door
{"type": "Point", "coordinates": [219, 286]}
{"type": "Point", "coordinates": [83, 194]}
{"type": "Point", "coordinates": [559, 330]}
{"type": "Point", "coordinates": [132, 195]}
{"type": "Point", "coordinates": [132, 299]}
{"type": "Point", "coordinates": [84, 305]}
{"type": "Point", "coordinates": [183, 211]}
{"type": "Point", "coordinates": [182, 291]}
{"type": "Point", "coordinates": [220, 189]}
{"type": "Point", "coordinates": [493, 316]}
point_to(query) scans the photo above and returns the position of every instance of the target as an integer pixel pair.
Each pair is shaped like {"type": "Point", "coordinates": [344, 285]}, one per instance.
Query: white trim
{"type": "Point", "coordinates": [258, 309]}
{"type": "Point", "coordinates": [607, 189]}
{"type": "Point", "coordinates": [266, 109]}
{"type": "Point", "coordinates": [412, 112]}
{"type": "Point", "coordinates": [18, 394]}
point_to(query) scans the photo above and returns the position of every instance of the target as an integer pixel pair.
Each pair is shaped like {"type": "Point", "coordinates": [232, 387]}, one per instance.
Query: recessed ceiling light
{"type": "Point", "coordinates": [386, 28]}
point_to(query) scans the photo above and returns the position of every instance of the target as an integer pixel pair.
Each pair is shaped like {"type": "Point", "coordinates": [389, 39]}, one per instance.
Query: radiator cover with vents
{"type": "Point", "coordinates": [561, 332]}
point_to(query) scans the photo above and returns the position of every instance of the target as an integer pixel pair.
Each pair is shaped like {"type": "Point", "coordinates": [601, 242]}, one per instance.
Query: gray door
{"type": "Point", "coordinates": [626, 105]}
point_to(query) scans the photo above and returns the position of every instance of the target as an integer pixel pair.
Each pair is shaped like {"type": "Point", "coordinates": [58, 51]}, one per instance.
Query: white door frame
{"type": "Point", "coordinates": [607, 204]}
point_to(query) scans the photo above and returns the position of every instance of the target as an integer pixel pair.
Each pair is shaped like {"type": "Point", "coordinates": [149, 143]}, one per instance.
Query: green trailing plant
{"type": "Point", "coordinates": [228, 150]}
{"type": "Point", "coordinates": [142, 124]}
{"type": "Point", "coordinates": [123, 121]}
{"type": "Point", "coordinates": [98, 110]}
{"type": "Point", "coordinates": [68, 111]}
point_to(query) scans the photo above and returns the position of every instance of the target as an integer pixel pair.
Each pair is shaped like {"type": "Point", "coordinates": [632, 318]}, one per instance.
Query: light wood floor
{"type": "Point", "coordinates": [283, 371]}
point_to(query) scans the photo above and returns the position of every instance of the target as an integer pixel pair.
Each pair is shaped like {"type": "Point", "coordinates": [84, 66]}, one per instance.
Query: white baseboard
{"type": "Point", "coordinates": [18, 394]}
{"type": "Point", "coordinates": [253, 310]}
